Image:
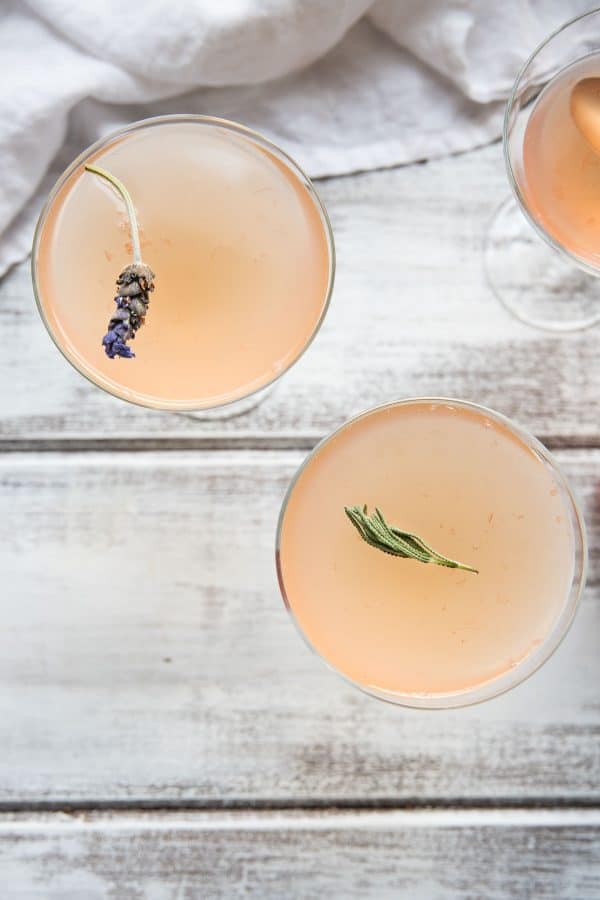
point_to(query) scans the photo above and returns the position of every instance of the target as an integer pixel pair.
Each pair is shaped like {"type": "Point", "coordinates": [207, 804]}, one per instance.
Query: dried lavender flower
{"type": "Point", "coordinates": [133, 284]}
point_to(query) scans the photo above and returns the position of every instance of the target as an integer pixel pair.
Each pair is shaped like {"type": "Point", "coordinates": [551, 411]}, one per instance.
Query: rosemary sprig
{"type": "Point", "coordinates": [134, 284]}
{"type": "Point", "coordinates": [378, 533]}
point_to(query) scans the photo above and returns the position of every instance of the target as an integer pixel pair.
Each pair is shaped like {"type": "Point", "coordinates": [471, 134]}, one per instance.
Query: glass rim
{"type": "Point", "coordinates": [533, 661]}
{"type": "Point", "coordinates": [226, 125]}
{"type": "Point", "coordinates": [579, 261]}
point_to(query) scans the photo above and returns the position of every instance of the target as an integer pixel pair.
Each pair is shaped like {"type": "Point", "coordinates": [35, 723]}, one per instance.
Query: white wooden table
{"type": "Point", "coordinates": [176, 739]}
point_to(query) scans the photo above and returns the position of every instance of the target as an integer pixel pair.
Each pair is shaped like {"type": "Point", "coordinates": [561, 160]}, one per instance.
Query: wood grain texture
{"type": "Point", "coordinates": [411, 315]}
{"type": "Point", "coordinates": [145, 655]}
{"type": "Point", "coordinates": [146, 658]}
{"type": "Point", "coordinates": [411, 855]}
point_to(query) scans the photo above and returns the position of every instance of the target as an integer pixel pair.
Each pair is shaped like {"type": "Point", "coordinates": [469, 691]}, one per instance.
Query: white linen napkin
{"type": "Point", "coordinates": [342, 85]}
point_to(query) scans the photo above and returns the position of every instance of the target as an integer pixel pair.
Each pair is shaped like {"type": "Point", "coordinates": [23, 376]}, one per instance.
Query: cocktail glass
{"type": "Point", "coordinates": [475, 487]}
{"type": "Point", "coordinates": [555, 179]}
{"type": "Point", "coordinates": [240, 244]}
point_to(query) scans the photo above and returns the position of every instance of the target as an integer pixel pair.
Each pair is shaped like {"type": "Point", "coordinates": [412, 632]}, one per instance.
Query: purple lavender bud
{"type": "Point", "coordinates": [115, 346]}
{"type": "Point", "coordinates": [134, 285]}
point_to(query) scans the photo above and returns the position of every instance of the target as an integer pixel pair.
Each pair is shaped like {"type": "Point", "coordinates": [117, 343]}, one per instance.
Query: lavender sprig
{"type": "Point", "coordinates": [134, 284]}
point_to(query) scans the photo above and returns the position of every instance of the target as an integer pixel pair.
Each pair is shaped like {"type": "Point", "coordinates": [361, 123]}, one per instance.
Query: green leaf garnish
{"type": "Point", "coordinates": [379, 534]}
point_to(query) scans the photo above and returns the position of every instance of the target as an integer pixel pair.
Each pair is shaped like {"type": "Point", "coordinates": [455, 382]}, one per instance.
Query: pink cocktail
{"type": "Point", "coordinates": [238, 240]}
{"type": "Point", "coordinates": [477, 489]}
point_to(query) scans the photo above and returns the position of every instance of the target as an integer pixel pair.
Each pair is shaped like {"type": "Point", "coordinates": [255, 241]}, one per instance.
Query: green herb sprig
{"type": "Point", "coordinates": [379, 534]}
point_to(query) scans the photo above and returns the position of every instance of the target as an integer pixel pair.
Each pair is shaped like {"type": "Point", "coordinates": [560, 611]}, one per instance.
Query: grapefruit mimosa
{"type": "Point", "coordinates": [498, 512]}
{"type": "Point", "coordinates": [239, 243]}
{"type": "Point", "coordinates": [552, 154]}
{"type": "Point", "coordinates": [561, 168]}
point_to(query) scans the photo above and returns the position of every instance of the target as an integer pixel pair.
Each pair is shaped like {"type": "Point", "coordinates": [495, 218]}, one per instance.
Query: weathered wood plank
{"type": "Point", "coordinates": [411, 315]}
{"type": "Point", "coordinates": [417, 855]}
{"type": "Point", "coordinates": [145, 654]}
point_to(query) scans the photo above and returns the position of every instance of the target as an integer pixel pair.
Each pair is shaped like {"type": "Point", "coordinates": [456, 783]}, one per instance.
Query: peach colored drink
{"type": "Point", "coordinates": [241, 251]}
{"type": "Point", "coordinates": [561, 169]}
{"type": "Point", "coordinates": [474, 490]}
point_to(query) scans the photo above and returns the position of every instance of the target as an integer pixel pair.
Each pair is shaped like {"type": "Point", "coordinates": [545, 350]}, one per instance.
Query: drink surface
{"type": "Point", "coordinates": [561, 169]}
{"type": "Point", "coordinates": [476, 493]}
{"type": "Point", "coordinates": [240, 252]}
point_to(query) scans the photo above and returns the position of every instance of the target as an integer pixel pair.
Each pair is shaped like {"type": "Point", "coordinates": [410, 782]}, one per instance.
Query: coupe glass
{"type": "Point", "coordinates": [543, 283]}
{"type": "Point", "coordinates": [290, 552]}
{"type": "Point", "coordinates": [245, 396]}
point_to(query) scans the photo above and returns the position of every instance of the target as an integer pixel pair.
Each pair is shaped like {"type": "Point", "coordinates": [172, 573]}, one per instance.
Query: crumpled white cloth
{"type": "Point", "coordinates": [342, 85]}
